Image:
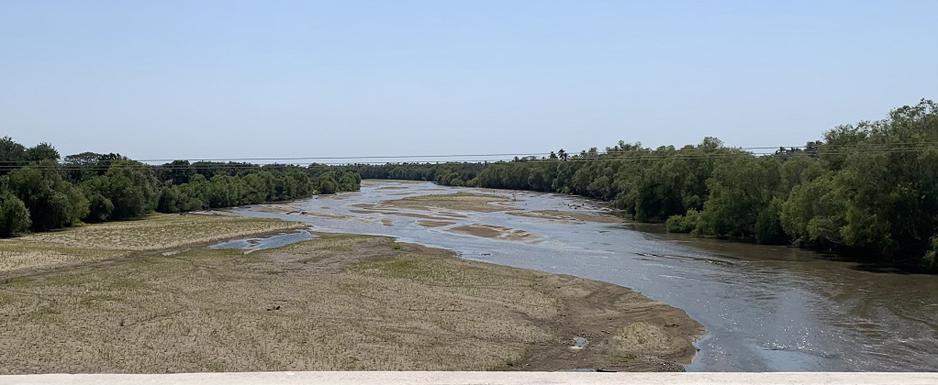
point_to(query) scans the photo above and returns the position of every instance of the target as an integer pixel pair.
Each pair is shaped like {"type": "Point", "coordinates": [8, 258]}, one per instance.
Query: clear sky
{"type": "Point", "coordinates": [233, 79]}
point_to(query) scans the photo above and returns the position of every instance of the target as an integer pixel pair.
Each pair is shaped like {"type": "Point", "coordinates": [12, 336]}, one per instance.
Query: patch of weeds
{"type": "Point", "coordinates": [401, 267]}
{"type": "Point", "coordinates": [624, 357]}
{"type": "Point", "coordinates": [517, 361]}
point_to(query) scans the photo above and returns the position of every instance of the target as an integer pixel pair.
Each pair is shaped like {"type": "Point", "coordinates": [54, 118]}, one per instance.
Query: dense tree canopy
{"type": "Point", "coordinates": [52, 201]}
{"type": "Point", "coordinates": [870, 188]}
{"type": "Point", "coordinates": [38, 193]}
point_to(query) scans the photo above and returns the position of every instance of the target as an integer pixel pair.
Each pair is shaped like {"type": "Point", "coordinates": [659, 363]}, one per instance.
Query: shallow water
{"type": "Point", "coordinates": [260, 243]}
{"type": "Point", "coordinates": [765, 308]}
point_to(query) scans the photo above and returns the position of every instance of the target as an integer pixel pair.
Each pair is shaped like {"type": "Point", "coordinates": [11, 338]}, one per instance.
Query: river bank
{"type": "Point", "coordinates": [336, 302]}
{"type": "Point", "coordinates": [765, 308]}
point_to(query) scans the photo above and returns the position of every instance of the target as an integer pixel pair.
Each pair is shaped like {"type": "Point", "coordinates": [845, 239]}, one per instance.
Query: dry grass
{"type": "Point", "coordinates": [643, 337]}
{"type": "Point", "coordinates": [344, 303]}
{"type": "Point", "coordinates": [333, 303]}
{"type": "Point", "coordinates": [108, 240]}
{"type": "Point", "coordinates": [19, 256]}
{"type": "Point", "coordinates": [158, 231]}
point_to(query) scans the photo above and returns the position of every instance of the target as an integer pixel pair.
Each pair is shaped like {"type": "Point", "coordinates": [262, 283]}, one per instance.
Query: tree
{"type": "Point", "coordinates": [327, 185]}
{"type": "Point", "coordinates": [12, 154]}
{"type": "Point", "coordinates": [740, 190]}
{"type": "Point", "coordinates": [14, 216]}
{"type": "Point", "coordinates": [52, 202]}
{"type": "Point", "coordinates": [99, 208]}
{"type": "Point", "coordinates": [86, 165]}
{"type": "Point", "coordinates": [42, 151]}
{"type": "Point", "coordinates": [178, 171]}
{"type": "Point", "coordinates": [131, 187]}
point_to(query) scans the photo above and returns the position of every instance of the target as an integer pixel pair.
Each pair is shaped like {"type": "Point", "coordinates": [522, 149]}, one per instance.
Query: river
{"type": "Point", "coordinates": [765, 308]}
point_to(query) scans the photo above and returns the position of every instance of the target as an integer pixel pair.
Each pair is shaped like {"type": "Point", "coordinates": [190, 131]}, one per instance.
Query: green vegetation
{"type": "Point", "coordinates": [40, 193]}
{"type": "Point", "coordinates": [869, 188]}
{"type": "Point", "coordinates": [449, 174]}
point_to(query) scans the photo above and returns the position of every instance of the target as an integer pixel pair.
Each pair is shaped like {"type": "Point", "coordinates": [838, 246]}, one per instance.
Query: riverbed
{"type": "Point", "coordinates": [765, 308]}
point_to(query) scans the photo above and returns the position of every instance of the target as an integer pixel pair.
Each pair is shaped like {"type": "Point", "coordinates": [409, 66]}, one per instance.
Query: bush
{"type": "Point", "coordinates": [682, 223]}
{"type": "Point", "coordinates": [14, 217]}
{"type": "Point", "coordinates": [327, 186]}
{"type": "Point", "coordinates": [99, 208]}
{"type": "Point", "coordinates": [930, 262]}
{"type": "Point", "coordinates": [51, 201]}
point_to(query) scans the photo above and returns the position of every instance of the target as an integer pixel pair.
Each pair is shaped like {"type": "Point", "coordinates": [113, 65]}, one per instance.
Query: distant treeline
{"type": "Point", "coordinates": [869, 188]}
{"type": "Point", "coordinates": [449, 174]}
{"type": "Point", "coordinates": [39, 193]}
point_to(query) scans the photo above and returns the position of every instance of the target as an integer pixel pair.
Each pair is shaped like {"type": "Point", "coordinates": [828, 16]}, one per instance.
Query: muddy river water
{"type": "Point", "coordinates": [765, 308]}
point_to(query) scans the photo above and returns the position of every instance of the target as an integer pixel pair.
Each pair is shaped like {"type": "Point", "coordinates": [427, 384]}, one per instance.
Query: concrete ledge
{"type": "Point", "coordinates": [476, 378]}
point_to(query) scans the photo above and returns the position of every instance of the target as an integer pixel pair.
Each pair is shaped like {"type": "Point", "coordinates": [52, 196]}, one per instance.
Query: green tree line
{"type": "Point", "coordinates": [40, 192]}
{"type": "Point", "coordinates": [869, 188]}
{"type": "Point", "coordinates": [450, 174]}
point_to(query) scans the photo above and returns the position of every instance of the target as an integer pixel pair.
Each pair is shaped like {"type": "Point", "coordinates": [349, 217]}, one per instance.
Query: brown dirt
{"type": "Point", "coordinates": [398, 213]}
{"type": "Point", "coordinates": [451, 214]}
{"type": "Point", "coordinates": [626, 330]}
{"type": "Point", "coordinates": [460, 201]}
{"type": "Point", "coordinates": [288, 208]}
{"type": "Point", "coordinates": [278, 208]}
{"type": "Point", "coordinates": [326, 215]}
{"type": "Point", "coordinates": [568, 216]}
{"type": "Point", "coordinates": [495, 232]}
{"type": "Point", "coordinates": [370, 206]}
{"type": "Point", "coordinates": [434, 223]}
{"type": "Point", "coordinates": [393, 188]}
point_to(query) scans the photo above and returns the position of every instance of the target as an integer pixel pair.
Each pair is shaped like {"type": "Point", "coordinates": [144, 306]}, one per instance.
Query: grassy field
{"type": "Point", "coordinates": [338, 302]}
{"type": "Point", "coordinates": [113, 239]}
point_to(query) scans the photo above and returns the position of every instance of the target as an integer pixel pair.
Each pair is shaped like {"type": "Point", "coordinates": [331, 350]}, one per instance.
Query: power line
{"type": "Point", "coordinates": [623, 156]}
{"type": "Point", "coordinates": [467, 157]}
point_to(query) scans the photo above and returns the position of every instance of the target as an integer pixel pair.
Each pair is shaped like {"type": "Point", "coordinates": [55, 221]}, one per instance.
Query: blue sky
{"type": "Point", "coordinates": [234, 79]}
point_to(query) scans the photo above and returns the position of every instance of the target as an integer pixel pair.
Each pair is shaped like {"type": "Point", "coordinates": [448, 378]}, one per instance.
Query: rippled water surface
{"type": "Point", "coordinates": [765, 308]}
{"type": "Point", "coordinates": [260, 243]}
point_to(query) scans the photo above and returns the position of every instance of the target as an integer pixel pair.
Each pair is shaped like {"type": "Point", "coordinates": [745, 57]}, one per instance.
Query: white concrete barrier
{"type": "Point", "coordinates": [475, 378]}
